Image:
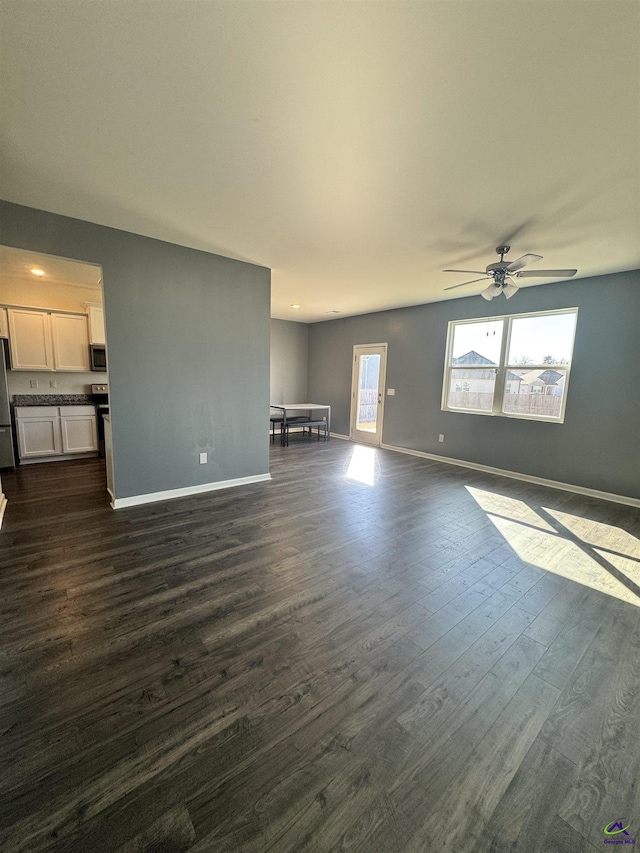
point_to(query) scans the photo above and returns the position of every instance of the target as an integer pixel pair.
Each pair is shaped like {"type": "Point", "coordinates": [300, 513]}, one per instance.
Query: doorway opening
{"type": "Point", "coordinates": [54, 391]}
{"type": "Point", "coordinates": [367, 393]}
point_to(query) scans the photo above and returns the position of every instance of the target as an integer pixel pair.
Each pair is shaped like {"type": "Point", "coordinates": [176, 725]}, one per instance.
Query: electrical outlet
{"type": "Point", "coordinates": [203, 458]}
{"type": "Point", "coordinates": [53, 383]}
{"type": "Point", "coordinates": [391, 392]}
{"type": "Point", "coordinates": [33, 383]}
{"type": "Point", "coordinates": [441, 437]}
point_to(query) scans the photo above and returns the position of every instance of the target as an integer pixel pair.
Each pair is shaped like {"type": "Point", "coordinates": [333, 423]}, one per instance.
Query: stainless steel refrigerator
{"type": "Point", "coordinates": [7, 459]}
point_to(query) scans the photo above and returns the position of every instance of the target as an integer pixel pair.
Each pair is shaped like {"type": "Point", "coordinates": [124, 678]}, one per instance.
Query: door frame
{"type": "Point", "coordinates": [354, 389]}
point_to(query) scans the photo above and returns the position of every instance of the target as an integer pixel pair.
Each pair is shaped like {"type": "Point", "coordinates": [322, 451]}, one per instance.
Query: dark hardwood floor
{"type": "Point", "coordinates": [443, 659]}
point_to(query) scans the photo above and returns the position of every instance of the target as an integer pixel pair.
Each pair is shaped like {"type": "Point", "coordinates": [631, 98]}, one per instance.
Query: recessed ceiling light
{"type": "Point", "coordinates": [294, 305]}
{"type": "Point", "coordinates": [38, 272]}
{"type": "Point", "coordinates": [332, 312]}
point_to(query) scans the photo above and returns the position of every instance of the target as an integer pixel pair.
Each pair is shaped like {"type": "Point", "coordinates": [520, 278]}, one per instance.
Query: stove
{"type": "Point", "coordinates": [100, 393]}
{"type": "Point", "coordinates": [100, 398]}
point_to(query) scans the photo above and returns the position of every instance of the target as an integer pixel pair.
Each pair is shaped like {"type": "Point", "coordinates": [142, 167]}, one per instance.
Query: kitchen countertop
{"type": "Point", "coordinates": [53, 400]}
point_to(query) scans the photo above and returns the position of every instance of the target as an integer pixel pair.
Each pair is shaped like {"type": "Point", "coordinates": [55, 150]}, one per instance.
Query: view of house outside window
{"type": "Point", "coordinates": [515, 366]}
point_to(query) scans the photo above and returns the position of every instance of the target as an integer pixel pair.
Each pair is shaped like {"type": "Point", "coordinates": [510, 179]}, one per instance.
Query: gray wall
{"type": "Point", "coordinates": [598, 445]}
{"type": "Point", "coordinates": [188, 337]}
{"type": "Point", "coordinates": [289, 348]}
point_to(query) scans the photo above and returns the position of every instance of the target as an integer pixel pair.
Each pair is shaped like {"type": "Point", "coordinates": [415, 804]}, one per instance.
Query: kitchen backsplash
{"type": "Point", "coordinates": [19, 382]}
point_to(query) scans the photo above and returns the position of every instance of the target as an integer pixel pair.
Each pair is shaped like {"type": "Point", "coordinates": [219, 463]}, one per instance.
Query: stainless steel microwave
{"type": "Point", "coordinates": [98, 358]}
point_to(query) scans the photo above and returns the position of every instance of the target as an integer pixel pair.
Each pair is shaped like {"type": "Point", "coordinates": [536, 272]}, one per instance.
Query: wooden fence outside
{"type": "Point", "coordinates": [543, 405]}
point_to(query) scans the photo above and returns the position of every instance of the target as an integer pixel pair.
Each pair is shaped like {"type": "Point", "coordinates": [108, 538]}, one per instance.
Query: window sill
{"type": "Point", "coordinates": [512, 416]}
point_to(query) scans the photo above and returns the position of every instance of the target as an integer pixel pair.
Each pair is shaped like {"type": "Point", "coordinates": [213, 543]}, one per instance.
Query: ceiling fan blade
{"type": "Point", "coordinates": [473, 281]}
{"type": "Point", "coordinates": [478, 272]}
{"type": "Point", "coordinates": [547, 273]}
{"type": "Point", "coordinates": [523, 262]}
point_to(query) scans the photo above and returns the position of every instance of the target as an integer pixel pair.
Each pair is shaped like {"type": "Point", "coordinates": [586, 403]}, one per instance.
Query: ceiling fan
{"type": "Point", "coordinates": [502, 271]}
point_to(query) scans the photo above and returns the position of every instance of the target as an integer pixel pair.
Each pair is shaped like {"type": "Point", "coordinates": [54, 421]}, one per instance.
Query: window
{"type": "Point", "coordinates": [514, 366]}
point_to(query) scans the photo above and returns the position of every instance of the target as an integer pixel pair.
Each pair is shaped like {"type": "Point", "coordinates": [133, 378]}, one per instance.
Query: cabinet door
{"type": "Point", "coordinates": [70, 342]}
{"type": "Point", "coordinates": [79, 434]}
{"type": "Point", "coordinates": [39, 436]}
{"type": "Point", "coordinates": [96, 324]}
{"type": "Point", "coordinates": [30, 340]}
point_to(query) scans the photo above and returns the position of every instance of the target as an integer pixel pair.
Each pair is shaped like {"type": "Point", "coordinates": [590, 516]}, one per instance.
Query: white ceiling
{"type": "Point", "coordinates": [18, 263]}
{"type": "Point", "coordinates": [356, 148]}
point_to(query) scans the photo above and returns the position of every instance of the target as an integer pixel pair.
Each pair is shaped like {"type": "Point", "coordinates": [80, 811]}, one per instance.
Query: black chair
{"type": "Point", "coordinates": [275, 420]}
{"type": "Point", "coordinates": [279, 419]}
{"type": "Point", "coordinates": [306, 424]}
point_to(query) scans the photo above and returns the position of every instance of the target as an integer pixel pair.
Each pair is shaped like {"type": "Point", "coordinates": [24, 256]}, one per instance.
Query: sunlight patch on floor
{"type": "Point", "coordinates": [554, 554]}
{"type": "Point", "coordinates": [630, 568]}
{"type": "Point", "coordinates": [491, 502]}
{"type": "Point", "coordinates": [598, 534]}
{"type": "Point", "coordinates": [363, 466]}
{"type": "Point", "coordinates": [538, 543]}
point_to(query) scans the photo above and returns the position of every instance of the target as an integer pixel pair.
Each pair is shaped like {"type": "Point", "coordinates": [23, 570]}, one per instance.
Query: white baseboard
{"type": "Point", "coordinates": [3, 506]}
{"type": "Point", "coordinates": [63, 457]}
{"type": "Point", "coordinates": [340, 436]}
{"type": "Point", "coordinates": [152, 497]}
{"type": "Point", "coordinates": [515, 475]}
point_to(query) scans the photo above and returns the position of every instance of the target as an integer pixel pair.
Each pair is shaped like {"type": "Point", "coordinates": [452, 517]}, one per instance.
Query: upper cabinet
{"type": "Point", "coordinates": [4, 325]}
{"type": "Point", "coordinates": [30, 340]}
{"type": "Point", "coordinates": [95, 312]}
{"type": "Point", "coordinates": [42, 340]}
{"type": "Point", "coordinates": [70, 342]}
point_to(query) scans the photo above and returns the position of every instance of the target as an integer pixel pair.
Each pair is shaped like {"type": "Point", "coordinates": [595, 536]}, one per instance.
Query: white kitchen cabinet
{"type": "Point", "coordinates": [30, 340]}
{"type": "Point", "coordinates": [70, 336]}
{"type": "Point", "coordinates": [95, 312]}
{"type": "Point", "coordinates": [55, 431]}
{"type": "Point", "coordinates": [48, 340]}
{"type": "Point", "coordinates": [4, 324]}
{"type": "Point", "coordinates": [38, 431]}
{"type": "Point", "coordinates": [78, 429]}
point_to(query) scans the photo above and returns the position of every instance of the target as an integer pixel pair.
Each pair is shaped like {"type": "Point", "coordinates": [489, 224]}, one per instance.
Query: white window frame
{"type": "Point", "coordinates": [502, 368]}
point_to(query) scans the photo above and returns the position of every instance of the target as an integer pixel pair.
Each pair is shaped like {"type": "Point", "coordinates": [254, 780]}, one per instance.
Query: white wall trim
{"type": "Point", "coordinates": [514, 475]}
{"type": "Point", "coordinates": [169, 494]}
{"type": "Point", "coordinates": [340, 436]}
{"type": "Point", "coordinates": [61, 457]}
{"type": "Point", "coordinates": [3, 506]}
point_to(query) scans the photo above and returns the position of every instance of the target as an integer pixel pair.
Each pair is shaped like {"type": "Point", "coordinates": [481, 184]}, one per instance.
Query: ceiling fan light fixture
{"type": "Point", "coordinates": [509, 289]}
{"type": "Point", "coordinates": [490, 292]}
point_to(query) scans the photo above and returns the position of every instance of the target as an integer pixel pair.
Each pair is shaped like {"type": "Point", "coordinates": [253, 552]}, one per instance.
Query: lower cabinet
{"type": "Point", "coordinates": [38, 431]}
{"type": "Point", "coordinates": [45, 431]}
{"type": "Point", "coordinates": [79, 432]}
